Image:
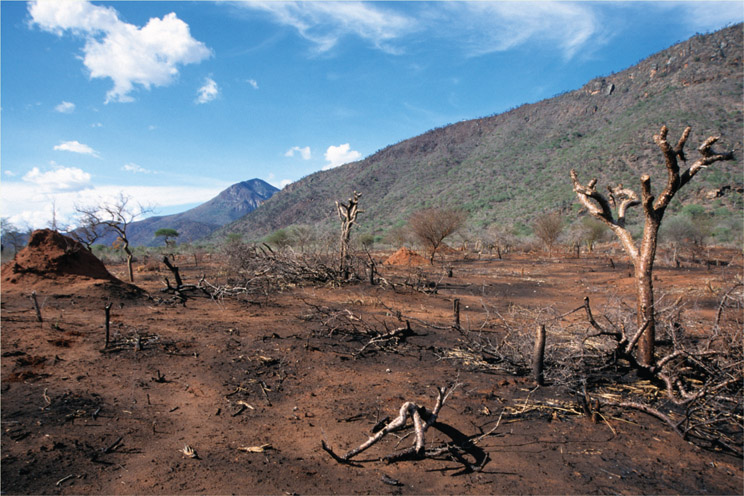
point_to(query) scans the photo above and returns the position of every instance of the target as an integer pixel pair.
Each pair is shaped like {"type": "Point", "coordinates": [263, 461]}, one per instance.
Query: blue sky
{"type": "Point", "coordinates": [171, 102]}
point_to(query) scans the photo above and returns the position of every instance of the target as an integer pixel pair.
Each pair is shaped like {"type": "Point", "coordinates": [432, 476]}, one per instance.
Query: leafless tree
{"type": "Point", "coordinates": [547, 229]}
{"type": "Point", "coordinates": [500, 239]}
{"type": "Point", "coordinates": [347, 213]}
{"type": "Point", "coordinates": [86, 234]}
{"type": "Point", "coordinates": [642, 254]}
{"type": "Point", "coordinates": [432, 225]}
{"type": "Point", "coordinates": [10, 234]}
{"type": "Point", "coordinates": [116, 216]}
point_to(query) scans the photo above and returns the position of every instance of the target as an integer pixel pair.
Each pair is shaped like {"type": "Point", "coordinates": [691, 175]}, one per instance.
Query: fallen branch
{"type": "Point", "coordinates": [395, 334]}
{"type": "Point", "coordinates": [422, 420]}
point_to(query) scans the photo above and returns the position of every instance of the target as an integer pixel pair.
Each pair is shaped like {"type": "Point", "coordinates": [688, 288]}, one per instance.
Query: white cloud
{"type": "Point", "coordinates": [9, 173]}
{"type": "Point", "coordinates": [76, 147]}
{"type": "Point", "coordinates": [304, 152]}
{"type": "Point", "coordinates": [340, 155]}
{"type": "Point", "coordinates": [253, 83]}
{"type": "Point", "coordinates": [277, 184]}
{"type": "Point", "coordinates": [29, 203]}
{"type": "Point", "coordinates": [97, 124]}
{"type": "Point", "coordinates": [324, 23]}
{"type": "Point", "coordinates": [208, 91]}
{"type": "Point", "coordinates": [65, 107]}
{"type": "Point", "coordinates": [123, 52]}
{"type": "Point", "coordinates": [58, 179]}
{"type": "Point", "coordinates": [136, 169]}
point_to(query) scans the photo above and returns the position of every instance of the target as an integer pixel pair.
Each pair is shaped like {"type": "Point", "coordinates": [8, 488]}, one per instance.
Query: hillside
{"type": "Point", "coordinates": [201, 221]}
{"type": "Point", "coordinates": [510, 167]}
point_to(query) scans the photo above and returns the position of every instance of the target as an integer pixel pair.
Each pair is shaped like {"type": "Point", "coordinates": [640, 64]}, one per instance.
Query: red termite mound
{"type": "Point", "coordinates": [51, 255]}
{"type": "Point", "coordinates": [405, 256]}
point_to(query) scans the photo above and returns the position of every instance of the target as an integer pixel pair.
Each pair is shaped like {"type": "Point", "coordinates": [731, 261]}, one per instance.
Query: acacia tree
{"type": "Point", "coordinates": [116, 216]}
{"type": "Point", "coordinates": [166, 233]}
{"type": "Point", "coordinates": [432, 225]}
{"type": "Point", "coordinates": [347, 214]}
{"type": "Point", "coordinates": [642, 254]}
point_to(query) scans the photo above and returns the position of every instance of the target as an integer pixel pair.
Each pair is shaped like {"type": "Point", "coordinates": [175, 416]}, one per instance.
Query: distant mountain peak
{"type": "Point", "coordinates": [199, 222]}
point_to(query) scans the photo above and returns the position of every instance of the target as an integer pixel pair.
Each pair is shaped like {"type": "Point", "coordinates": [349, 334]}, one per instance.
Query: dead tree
{"type": "Point", "coordinates": [347, 213]}
{"type": "Point", "coordinates": [115, 216]}
{"type": "Point", "coordinates": [642, 255]}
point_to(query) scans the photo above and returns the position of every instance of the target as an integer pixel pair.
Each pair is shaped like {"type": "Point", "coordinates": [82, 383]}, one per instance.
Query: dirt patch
{"type": "Point", "coordinates": [254, 385]}
{"type": "Point", "coordinates": [405, 256]}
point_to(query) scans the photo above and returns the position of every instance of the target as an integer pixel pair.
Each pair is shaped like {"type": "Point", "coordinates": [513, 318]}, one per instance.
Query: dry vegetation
{"type": "Point", "coordinates": [254, 371]}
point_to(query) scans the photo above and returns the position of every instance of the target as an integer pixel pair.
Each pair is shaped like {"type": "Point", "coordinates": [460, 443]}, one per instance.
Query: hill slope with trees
{"type": "Point", "coordinates": [512, 167]}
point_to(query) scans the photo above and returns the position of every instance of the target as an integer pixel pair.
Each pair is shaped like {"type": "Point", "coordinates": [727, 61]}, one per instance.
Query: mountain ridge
{"type": "Point", "coordinates": [199, 222]}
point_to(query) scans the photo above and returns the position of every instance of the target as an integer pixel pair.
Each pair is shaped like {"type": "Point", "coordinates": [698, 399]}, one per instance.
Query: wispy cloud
{"type": "Point", "coordinates": [485, 27]}
{"type": "Point", "coordinates": [702, 17]}
{"type": "Point", "coordinates": [304, 152]}
{"type": "Point", "coordinates": [127, 54]}
{"type": "Point", "coordinates": [340, 155]}
{"type": "Point", "coordinates": [65, 108]}
{"type": "Point", "coordinates": [208, 92]}
{"type": "Point", "coordinates": [137, 169]}
{"type": "Point", "coordinates": [325, 23]}
{"type": "Point", "coordinates": [253, 83]}
{"type": "Point", "coordinates": [76, 147]}
{"type": "Point", "coordinates": [477, 28]}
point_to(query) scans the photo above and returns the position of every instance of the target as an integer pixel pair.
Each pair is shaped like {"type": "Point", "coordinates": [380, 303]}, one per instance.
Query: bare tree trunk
{"type": "Point", "coordinates": [347, 213]}
{"type": "Point", "coordinates": [538, 357]}
{"type": "Point", "coordinates": [643, 254]}
{"type": "Point", "coordinates": [36, 306]}
{"type": "Point", "coordinates": [129, 263]}
{"type": "Point", "coordinates": [644, 266]}
{"type": "Point", "coordinates": [174, 270]}
{"type": "Point", "coordinates": [107, 311]}
{"type": "Point", "coordinates": [456, 313]}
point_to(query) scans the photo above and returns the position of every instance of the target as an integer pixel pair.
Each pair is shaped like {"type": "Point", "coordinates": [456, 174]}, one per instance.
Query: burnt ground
{"type": "Point", "coordinates": [277, 372]}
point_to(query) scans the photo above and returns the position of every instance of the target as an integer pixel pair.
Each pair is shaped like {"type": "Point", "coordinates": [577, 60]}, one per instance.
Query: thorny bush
{"type": "Point", "coordinates": [696, 387]}
{"type": "Point", "coordinates": [260, 270]}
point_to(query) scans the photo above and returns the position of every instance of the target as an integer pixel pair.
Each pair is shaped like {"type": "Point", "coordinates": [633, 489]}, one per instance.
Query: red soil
{"type": "Point", "coordinates": [270, 372]}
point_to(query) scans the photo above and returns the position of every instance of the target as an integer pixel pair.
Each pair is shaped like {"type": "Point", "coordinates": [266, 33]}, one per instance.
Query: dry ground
{"type": "Point", "coordinates": [221, 376]}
